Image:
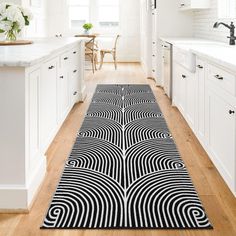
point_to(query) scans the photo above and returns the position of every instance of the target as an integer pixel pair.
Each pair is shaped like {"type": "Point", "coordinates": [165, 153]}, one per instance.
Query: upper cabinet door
{"type": "Point", "coordinates": [193, 4]}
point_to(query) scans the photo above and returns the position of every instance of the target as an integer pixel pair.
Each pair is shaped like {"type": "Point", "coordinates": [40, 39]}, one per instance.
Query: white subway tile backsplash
{"type": "Point", "coordinates": [204, 21]}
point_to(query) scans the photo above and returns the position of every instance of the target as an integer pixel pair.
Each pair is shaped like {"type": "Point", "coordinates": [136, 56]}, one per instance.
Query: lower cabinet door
{"type": "Point", "coordinates": [190, 103]}
{"type": "Point", "coordinates": [200, 99]}
{"type": "Point", "coordinates": [74, 86]}
{"type": "Point", "coordinates": [181, 80]}
{"type": "Point", "coordinates": [63, 94]}
{"type": "Point", "coordinates": [48, 100]}
{"type": "Point", "coordinates": [33, 106]}
{"type": "Point", "coordinates": [220, 131]}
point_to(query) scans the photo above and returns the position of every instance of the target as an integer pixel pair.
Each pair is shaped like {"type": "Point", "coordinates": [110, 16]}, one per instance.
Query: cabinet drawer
{"type": "Point", "coordinates": [184, 3]}
{"type": "Point", "coordinates": [65, 60]}
{"type": "Point", "coordinates": [222, 78]}
{"type": "Point", "coordinates": [75, 56]}
{"type": "Point", "coordinates": [74, 86]}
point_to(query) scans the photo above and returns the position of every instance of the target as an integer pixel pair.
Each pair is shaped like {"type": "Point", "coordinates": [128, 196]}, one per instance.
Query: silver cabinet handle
{"type": "Point", "coordinates": [51, 67]}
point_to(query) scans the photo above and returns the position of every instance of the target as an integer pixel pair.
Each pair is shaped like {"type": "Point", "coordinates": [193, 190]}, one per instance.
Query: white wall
{"type": "Point", "coordinates": [129, 44]}
{"type": "Point", "coordinates": [204, 21]}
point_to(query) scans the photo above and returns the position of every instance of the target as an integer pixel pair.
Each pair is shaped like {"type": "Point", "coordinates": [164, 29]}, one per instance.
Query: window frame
{"type": "Point", "coordinates": [94, 18]}
{"type": "Point", "coordinates": [227, 14]}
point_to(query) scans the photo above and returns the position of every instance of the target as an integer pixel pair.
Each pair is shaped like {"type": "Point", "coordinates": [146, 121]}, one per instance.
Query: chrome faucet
{"type": "Point", "coordinates": [232, 37]}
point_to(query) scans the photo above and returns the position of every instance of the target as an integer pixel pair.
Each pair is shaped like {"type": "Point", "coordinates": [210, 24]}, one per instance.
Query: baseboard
{"type": "Point", "coordinates": [9, 203]}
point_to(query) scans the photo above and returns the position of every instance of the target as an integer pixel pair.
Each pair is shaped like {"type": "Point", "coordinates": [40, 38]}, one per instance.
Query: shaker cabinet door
{"type": "Point", "coordinates": [48, 100]}
{"type": "Point", "coordinates": [220, 130]}
{"type": "Point", "coordinates": [190, 103]}
{"type": "Point", "coordinates": [63, 94]}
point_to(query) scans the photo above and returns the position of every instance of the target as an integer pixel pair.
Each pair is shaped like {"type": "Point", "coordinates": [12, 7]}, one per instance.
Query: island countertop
{"type": "Point", "coordinates": [29, 55]}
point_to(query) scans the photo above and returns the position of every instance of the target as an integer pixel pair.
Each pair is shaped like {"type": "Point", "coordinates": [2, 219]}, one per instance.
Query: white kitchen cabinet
{"type": "Point", "coordinates": [48, 100]}
{"type": "Point", "coordinates": [190, 98]}
{"type": "Point", "coordinates": [30, 119]}
{"type": "Point", "coordinates": [184, 94]}
{"type": "Point", "coordinates": [207, 100]}
{"type": "Point", "coordinates": [220, 133]}
{"type": "Point", "coordinates": [74, 75]}
{"type": "Point", "coordinates": [179, 88]}
{"type": "Point", "coordinates": [63, 93]}
{"type": "Point", "coordinates": [200, 101]}
{"type": "Point", "coordinates": [193, 4]}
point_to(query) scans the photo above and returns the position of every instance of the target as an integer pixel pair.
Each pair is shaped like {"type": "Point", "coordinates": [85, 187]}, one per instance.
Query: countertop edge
{"type": "Point", "coordinates": [40, 59]}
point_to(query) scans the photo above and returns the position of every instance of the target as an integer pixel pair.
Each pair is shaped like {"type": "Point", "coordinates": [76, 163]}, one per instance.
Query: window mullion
{"type": "Point", "coordinates": [94, 13]}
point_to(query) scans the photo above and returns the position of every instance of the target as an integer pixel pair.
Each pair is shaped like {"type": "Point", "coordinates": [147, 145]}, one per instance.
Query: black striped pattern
{"type": "Point", "coordinates": [124, 170]}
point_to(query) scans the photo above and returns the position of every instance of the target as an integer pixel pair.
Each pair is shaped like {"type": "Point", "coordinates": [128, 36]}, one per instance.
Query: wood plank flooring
{"type": "Point", "coordinates": [218, 201]}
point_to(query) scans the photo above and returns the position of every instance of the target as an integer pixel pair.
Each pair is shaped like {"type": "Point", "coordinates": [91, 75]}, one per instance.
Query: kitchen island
{"type": "Point", "coordinates": [39, 85]}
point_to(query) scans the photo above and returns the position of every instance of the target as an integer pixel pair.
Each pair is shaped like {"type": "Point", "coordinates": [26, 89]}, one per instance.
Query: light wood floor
{"type": "Point", "coordinates": [218, 201]}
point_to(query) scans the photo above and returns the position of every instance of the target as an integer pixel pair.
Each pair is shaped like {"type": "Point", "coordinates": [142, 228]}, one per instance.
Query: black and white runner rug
{"type": "Point", "coordinates": [124, 171]}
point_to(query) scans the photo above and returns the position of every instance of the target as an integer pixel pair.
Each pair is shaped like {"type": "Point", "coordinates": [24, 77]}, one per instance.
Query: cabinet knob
{"type": "Point", "coordinates": [74, 52]}
{"type": "Point", "coordinates": [153, 70]}
{"type": "Point", "coordinates": [153, 55]}
{"type": "Point", "coordinates": [74, 71]}
{"type": "Point", "coordinates": [231, 112]}
{"type": "Point", "coordinates": [61, 77]}
{"type": "Point", "coordinates": [51, 67]}
{"type": "Point", "coordinates": [184, 76]}
{"type": "Point", "coordinates": [199, 66]}
{"type": "Point", "coordinates": [66, 58]}
{"type": "Point", "coordinates": [75, 93]}
{"type": "Point", "coordinates": [153, 42]}
{"type": "Point", "coordinates": [219, 77]}
{"type": "Point", "coordinates": [182, 4]}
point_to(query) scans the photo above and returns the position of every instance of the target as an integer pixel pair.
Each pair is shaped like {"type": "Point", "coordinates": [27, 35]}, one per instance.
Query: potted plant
{"type": "Point", "coordinates": [13, 19]}
{"type": "Point", "coordinates": [87, 27]}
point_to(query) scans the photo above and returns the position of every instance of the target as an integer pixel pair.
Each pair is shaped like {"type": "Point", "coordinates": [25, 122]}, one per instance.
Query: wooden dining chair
{"type": "Point", "coordinates": [112, 51]}
{"type": "Point", "coordinates": [91, 51]}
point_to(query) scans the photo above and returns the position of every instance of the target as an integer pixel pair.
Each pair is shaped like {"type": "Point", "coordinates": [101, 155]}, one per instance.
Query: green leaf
{"type": "Point", "coordinates": [2, 31]}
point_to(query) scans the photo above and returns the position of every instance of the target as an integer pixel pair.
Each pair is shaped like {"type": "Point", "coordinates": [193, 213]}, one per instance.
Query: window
{"type": "Point", "coordinates": [78, 13]}
{"type": "Point", "coordinates": [226, 9]}
{"type": "Point", "coordinates": [108, 13]}
{"type": "Point", "coordinates": [103, 14]}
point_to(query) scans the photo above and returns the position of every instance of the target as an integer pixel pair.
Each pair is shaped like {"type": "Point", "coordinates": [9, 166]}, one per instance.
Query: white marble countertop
{"type": "Point", "coordinates": [29, 55]}
{"type": "Point", "coordinates": [217, 52]}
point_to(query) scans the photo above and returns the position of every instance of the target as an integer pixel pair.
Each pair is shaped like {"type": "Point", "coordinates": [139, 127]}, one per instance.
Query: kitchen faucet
{"type": "Point", "coordinates": [232, 30]}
